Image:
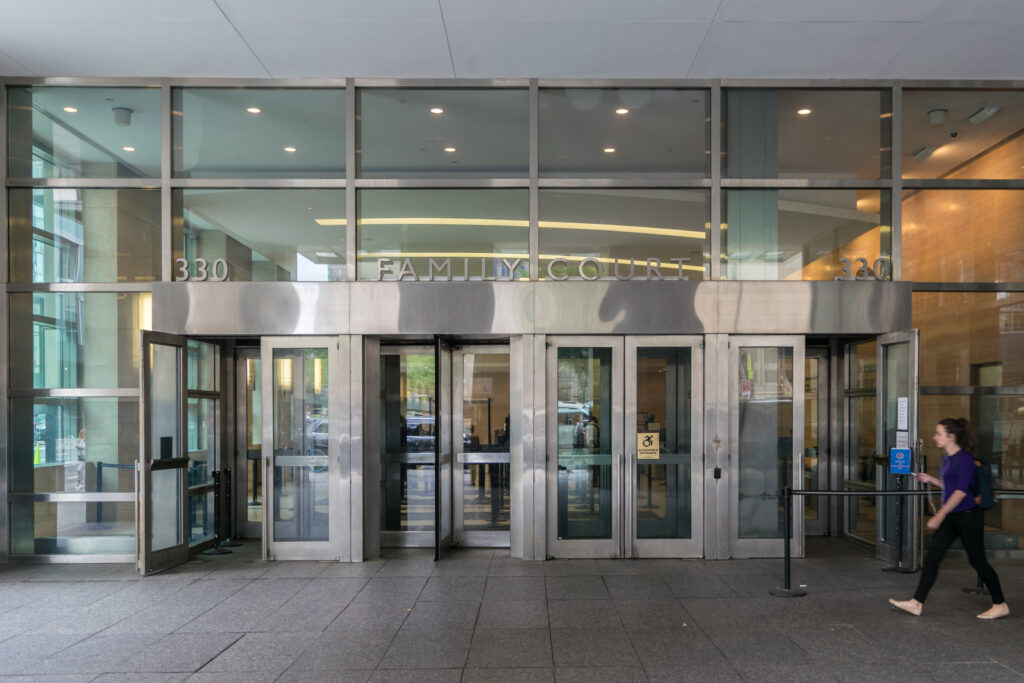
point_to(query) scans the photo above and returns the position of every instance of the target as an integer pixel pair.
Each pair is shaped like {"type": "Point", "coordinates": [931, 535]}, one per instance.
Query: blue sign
{"type": "Point", "coordinates": [899, 461]}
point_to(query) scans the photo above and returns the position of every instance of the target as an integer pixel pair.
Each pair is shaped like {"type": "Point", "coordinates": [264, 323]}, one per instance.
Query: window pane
{"type": "Point", "coordinates": [455, 133]}
{"type": "Point", "coordinates": [259, 133]}
{"type": "Point", "coordinates": [69, 340]}
{"type": "Point", "coordinates": [203, 443]}
{"type": "Point", "coordinates": [56, 132]}
{"type": "Point", "coordinates": [84, 235]}
{"type": "Point", "coordinates": [72, 528]}
{"type": "Point", "coordinates": [203, 365]}
{"type": "Point", "coordinates": [803, 234]}
{"type": "Point", "coordinates": [595, 233]}
{"type": "Point", "coordinates": [261, 235]}
{"type": "Point", "coordinates": [201, 517]}
{"type": "Point", "coordinates": [786, 133]}
{"type": "Point", "coordinates": [963, 235]}
{"type": "Point", "coordinates": [73, 445]}
{"type": "Point", "coordinates": [963, 134]}
{"type": "Point", "coordinates": [863, 360]}
{"type": "Point", "coordinates": [482, 233]}
{"type": "Point", "coordinates": [601, 133]}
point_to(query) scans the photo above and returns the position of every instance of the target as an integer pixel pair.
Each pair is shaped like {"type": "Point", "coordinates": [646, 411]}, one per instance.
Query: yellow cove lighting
{"type": "Point", "coordinates": [511, 223]}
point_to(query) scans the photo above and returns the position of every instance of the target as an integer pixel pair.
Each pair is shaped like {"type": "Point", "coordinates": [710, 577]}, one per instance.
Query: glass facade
{"type": "Point", "coordinates": [344, 184]}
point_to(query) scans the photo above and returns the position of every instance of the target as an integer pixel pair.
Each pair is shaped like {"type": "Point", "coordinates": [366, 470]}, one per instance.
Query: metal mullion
{"type": "Point", "coordinates": [976, 390]}
{"type": "Point", "coordinates": [4, 332]}
{"type": "Point", "coordinates": [715, 254]}
{"type": "Point", "coordinates": [896, 197]}
{"type": "Point", "coordinates": [667, 83]}
{"type": "Point", "coordinates": [808, 83]}
{"type": "Point", "coordinates": [111, 287]}
{"type": "Point", "coordinates": [440, 183]}
{"type": "Point", "coordinates": [351, 143]}
{"type": "Point", "coordinates": [73, 393]}
{"type": "Point", "coordinates": [534, 174]}
{"type": "Point", "coordinates": [968, 287]}
{"type": "Point", "coordinates": [86, 183]}
{"type": "Point", "coordinates": [204, 393]}
{"type": "Point", "coordinates": [441, 83]}
{"type": "Point", "coordinates": [641, 182]}
{"type": "Point", "coordinates": [61, 497]}
{"type": "Point", "coordinates": [256, 183]}
{"type": "Point", "coordinates": [166, 217]}
{"type": "Point", "coordinates": [809, 183]}
{"type": "Point", "coordinates": [963, 184]}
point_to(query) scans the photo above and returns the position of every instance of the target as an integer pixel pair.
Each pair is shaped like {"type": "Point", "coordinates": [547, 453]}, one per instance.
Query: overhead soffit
{"type": "Point", "coordinates": [912, 39]}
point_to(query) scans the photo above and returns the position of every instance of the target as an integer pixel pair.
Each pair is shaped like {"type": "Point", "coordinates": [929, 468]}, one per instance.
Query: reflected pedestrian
{"type": "Point", "coordinates": [959, 517]}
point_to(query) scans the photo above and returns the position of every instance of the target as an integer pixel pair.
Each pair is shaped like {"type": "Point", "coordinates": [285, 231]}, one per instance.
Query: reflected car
{"type": "Point", "coordinates": [317, 436]}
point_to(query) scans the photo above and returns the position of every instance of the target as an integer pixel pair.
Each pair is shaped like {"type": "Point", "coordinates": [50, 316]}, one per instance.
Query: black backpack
{"type": "Point", "coordinates": [982, 485]}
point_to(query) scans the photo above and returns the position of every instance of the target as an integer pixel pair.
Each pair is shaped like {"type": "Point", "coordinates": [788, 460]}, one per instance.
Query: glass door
{"type": "Point", "coordinates": [481, 414]}
{"type": "Point", "coordinates": [816, 441]}
{"type": "Point", "coordinates": [302, 385]}
{"type": "Point", "coordinates": [585, 446]}
{"type": "Point", "coordinates": [663, 477]}
{"type": "Point", "coordinates": [766, 434]}
{"type": "Point", "coordinates": [248, 482]}
{"type": "Point", "coordinates": [162, 469]}
{"type": "Point", "coordinates": [860, 399]}
{"type": "Point", "coordinates": [443, 447]}
{"type": "Point", "coordinates": [897, 393]}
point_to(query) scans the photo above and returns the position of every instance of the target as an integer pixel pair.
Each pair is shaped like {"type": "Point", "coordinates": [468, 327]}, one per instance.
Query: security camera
{"type": "Point", "coordinates": [953, 133]}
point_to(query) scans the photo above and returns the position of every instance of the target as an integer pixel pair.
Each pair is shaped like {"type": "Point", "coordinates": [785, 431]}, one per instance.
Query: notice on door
{"type": "Point", "coordinates": [647, 447]}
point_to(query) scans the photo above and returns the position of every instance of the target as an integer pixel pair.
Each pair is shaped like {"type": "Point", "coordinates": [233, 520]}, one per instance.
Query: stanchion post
{"type": "Point", "coordinates": [898, 568]}
{"type": "Point", "coordinates": [787, 591]}
{"type": "Point", "coordinates": [228, 541]}
{"type": "Point", "coordinates": [215, 549]}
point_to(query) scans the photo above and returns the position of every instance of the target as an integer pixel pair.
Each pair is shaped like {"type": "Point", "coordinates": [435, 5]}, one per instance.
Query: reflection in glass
{"type": "Point", "coordinates": [486, 411]}
{"type": "Point", "coordinates": [803, 234]}
{"type": "Point", "coordinates": [258, 133]}
{"type": "Point", "coordinates": [612, 233]}
{"type": "Point", "coordinates": [73, 445]}
{"type": "Point", "coordinates": [59, 132]}
{"type": "Point", "coordinates": [896, 360]}
{"type": "Point", "coordinates": [603, 133]}
{"type": "Point", "coordinates": [811, 445]}
{"type": "Point", "coordinates": [40, 528]}
{"type": "Point", "coordinates": [261, 235]}
{"type": "Point", "coordinates": [253, 439]}
{"type": "Point", "coordinates": [443, 234]}
{"type": "Point", "coordinates": [663, 501]}
{"type": "Point", "coordinates": [71, 340]}
{"type": "Point", "coordinates": [201, 423]}
{"type": "Point", "coordinates": [162, 403]}
{"type": "Point", "coordinates": [200, 516]}
{"type": "Point", "coordinates": [408, 412]}
{"type": "Point", "coordinates": [301, 439]}
{"type": "Point", "coordinates": [963, 134]}
{"type": "Point", "coordinates": [963, 235]}
{"type": "Point", "coordinates": [84, 235]}
{"type": "Point", "coordinates": [203, 365]}
{"type": "Point", "coordinates": [795, 133]}
{"type": "Point", "coordinates": [584, 440]}
{"type": "Point", "coordinates": [765, 438]}
{"type": "Point", "coordinates": [862, 361]}
{"type": "Point", "coordinates": [165, 509]}
{"type": "Point", "coordinates": [453, 133]}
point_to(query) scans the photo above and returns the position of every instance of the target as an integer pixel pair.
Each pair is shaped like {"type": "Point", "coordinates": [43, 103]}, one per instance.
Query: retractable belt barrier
{"type": "Point", "coordinates": [787, 591]}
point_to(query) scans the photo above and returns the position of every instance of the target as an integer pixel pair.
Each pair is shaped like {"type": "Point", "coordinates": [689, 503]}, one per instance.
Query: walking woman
{"type": "Point", "coordinates": [959, 516]}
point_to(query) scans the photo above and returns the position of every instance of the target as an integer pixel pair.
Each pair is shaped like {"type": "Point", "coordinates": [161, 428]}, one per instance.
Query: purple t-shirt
{"type": "Point", "coordinates": [958, 476]}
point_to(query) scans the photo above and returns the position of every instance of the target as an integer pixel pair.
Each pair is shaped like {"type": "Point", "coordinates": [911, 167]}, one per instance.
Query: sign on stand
{"type": "Point", "coordinates": [899, 461]}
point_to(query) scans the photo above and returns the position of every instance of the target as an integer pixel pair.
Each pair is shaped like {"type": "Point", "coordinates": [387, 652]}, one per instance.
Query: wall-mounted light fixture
{"type": "Point", "coordinates": [983, 114]}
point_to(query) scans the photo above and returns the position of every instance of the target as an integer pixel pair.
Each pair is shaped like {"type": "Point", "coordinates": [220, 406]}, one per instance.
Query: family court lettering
{"type": "Point", "coordinates": [505, 269]}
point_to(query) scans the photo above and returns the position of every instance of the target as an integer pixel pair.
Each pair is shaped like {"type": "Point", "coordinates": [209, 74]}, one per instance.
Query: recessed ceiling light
{"type": "Point", "coordinates": [621, 111]}
{"type": "Point", "coordinates": [128, 149]}
{"type": "Point", "coordinates": [326, 254]}
{"type": "Point", "coordinates": [609, 150]}
{"type": "Point", "coordinates": [253, 110]}
{"type": "Point", "coordinates": [803, 112]}
{"type": "Point", "coordinates": [449, 149]}
{"type": "Point", "coordinates": [71, 110]}
{"type": "Point", "coordinates": [289, 149]}
{"type": "Point", "coordinates": [436, 110]}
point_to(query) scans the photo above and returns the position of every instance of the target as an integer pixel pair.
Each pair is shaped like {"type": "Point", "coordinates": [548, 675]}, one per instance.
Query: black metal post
{"type": "Point", "coordinates": [898, 568]}
{"type": "Point", "coordinates": [215, 549]}
{"type": "Point", "coordinates": [228, 541]}
{"type": "Point", "coordinates": [787, 591]}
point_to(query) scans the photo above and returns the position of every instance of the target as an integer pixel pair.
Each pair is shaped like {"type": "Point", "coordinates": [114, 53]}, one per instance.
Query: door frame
{"type": "Point", "coordinates": [664, 547]}
{"type": "Point", "coordinates": [338, 463]}
{"type": "Point", "coordinates": [820, 526]}
{"type": "Point", "coordinates": [243, 527]}
{"type": "Point", "coordinates": [148, 560]}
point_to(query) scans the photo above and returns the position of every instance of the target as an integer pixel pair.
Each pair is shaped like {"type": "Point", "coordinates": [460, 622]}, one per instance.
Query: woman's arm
{"type": "Point", "coordinates": [947, 507]}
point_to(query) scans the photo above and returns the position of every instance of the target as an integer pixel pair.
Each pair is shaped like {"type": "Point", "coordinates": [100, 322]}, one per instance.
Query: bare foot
{"type": "Point", "coordinates": [996, 612]}
{"type": "Point", "coordinates": [912, 606]}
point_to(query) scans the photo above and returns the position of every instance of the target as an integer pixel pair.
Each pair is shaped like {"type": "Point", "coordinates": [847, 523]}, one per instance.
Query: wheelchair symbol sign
{"type": "Point", "coordinates": [647, 446]}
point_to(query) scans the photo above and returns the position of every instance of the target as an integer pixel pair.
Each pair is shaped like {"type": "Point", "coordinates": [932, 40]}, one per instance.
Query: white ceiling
{"type": "Point", "coordinates": [912, 39]}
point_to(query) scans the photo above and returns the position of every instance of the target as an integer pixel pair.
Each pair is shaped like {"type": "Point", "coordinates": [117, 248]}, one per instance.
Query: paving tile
{"type": "Point", "coordinates": [134, 678]}
{"type": "Point", "coordinates": [336, 651]}
{"type": "Point", "coordinates": [428, 650]}
{"type": "Point", "coordinates": [532, 675]}
{"type": "Point", "coordinates": [508, 649]}
{"type": "Point", "coordinates": [416, 676]}
{"type": "Point", "coordinates": [231, 677]}
{"type": "Point", "coordinates": [297, 676]}
{"type": "Point", "coordinates": [442, 615]}
{"type": "Point", "coordinates": [372, 618]}
{"type": "Point", "coordinates": [723, 672]}
{"type": "Point", "coordinates": [423, 567]}
{"type": "Point", "coordinates": [247, 609]}
{"type": "Point", "coordinates": [688, 647]}
{"type": "Point", "coordinates": [583, 614]}
{"type": "Point", "coordinates": [97, 654]}
{"type": "Point", "coordinates": [19, 654]}
{"type": "Point", "coordinates": [638, 588]}
{"type": "Point", "coordinates": [638, 615]}
{"type": "Point", "coordinates": [609, 674]}
{"type": "Point", "coordinates": [507, 566]}
{"type": "Point", "coordinates": [454, 588]}
{"type": "Point", "coordinates": [576, 588]}
{"type": "Point", "coordinates": [513, 614]}
{"type": "Point", "coordinates": [762, 647]}
{"type": "Point", "coordinates": [784, 673]}
{"type": "Point", "coordinates": [391, 589]}
{"type": "Point", "coordinates": [505, 588]}
{"type": "Point", "coordinates": [52, 678]}
{"type": "Point", "coordinates": [184, 652]}
{"type": "Point", "coordinates": [592, 647]}
{"type": "Point", "coordinates": [188, 603]}
{"type": "Point", "coordinates": [873, 672]}
{"type": "Point", "coordinates": [315, 606]}
{"type": "Point", "coordinates": [571, 568]}
{"type": "Point", "coordinates": [698, 584]}
{"type": "Point", "coordinates": [266, 653]}
{"type": "Point", "coordinates": [342, 570]}
{"type": "Point", "coordinates": [966, 671]}
{"type": "Point", "coordinates": [835, 643]}
{"type": "Point", "coordinates": [248, 569]}
{"type": "Point", "coordinates": [294, 570]}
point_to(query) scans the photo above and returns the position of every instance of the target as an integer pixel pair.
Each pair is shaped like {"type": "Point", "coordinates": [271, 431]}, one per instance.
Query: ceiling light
{"type": "Point", "coordinates": [289, 149]}
{"type": "Point", "coordinates": [71, 110]}
{"type": "Point", "coordinates": [128, 149]}
{"type": "Point", "coordinates": [924, 152]}
{"type": "Point", "coordinates": [803, 112]}
{"type": "Point", "coordinates": [609, 150]}
{"type": "Point", "coordinates": [937, 117]}
{"type": "Point", "coordinates": [621, 111]}
{"type": "Point", "coordinates": [122, 116]}
{"type": "Point", "coordinates": [326, 254]}
{"type": "Point", "coordinates": [436, 110]}
{"type": "Point", "coordinates": [449, 149]}
{"type": "Point", "coordinates": [253, 110]}
{"type": "Point", "coordinates": [983, 114]}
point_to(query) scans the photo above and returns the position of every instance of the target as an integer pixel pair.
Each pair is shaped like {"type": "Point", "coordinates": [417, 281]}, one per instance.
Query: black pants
{"type": "Point", "coordinates": [966, 525]}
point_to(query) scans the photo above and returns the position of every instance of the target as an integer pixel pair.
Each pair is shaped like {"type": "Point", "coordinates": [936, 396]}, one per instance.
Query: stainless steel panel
{"type": "Point", "coordinates": [445, 308]}
{"type": "Point", "coordinates": [896, 257]}
{"type": "Point", "coordinates": [257, 183]}
{"type": "Point", "coordinates": [717, 447]}
{"type": "Point", "coordinates": [397, 183]}
{"type": "Point", "coordinates": [73, 497]}
{"type": "Point", "coordinates": [356, 453]}
{"type": "Point", "coordinates": [81, 287]}
{"type": "Point", "coordinates": [538, 468]}
{"type": "Point", "coordinates": [519, 444]}
{"type": "Point", "coordinates": [351, 163]}
{"type": "Point", "coordinates": [642, 181]}
{"type": "Point", "coordinates": [713, 270]}
{"type": "Point", "coordinates": [534, 157]}
{"type": "Point", "coordinates": [611, 307]}
{"type": "Point", "coordinates": [340, 397]}
{"type": "Point", "coordinates": [166, 204]}
{"type": "Point", "coordinates": [483, 458]}
{"type": "Point", "coordinates": [424, 458]}
{"type": "Point", "coordinates": [371, 448]}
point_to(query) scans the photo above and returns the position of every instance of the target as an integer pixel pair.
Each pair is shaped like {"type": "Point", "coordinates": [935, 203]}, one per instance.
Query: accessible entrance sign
{"type": "Point", "coordinates": [647, 447]}
{"type": "Point", "coordinates": [899, 461]}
